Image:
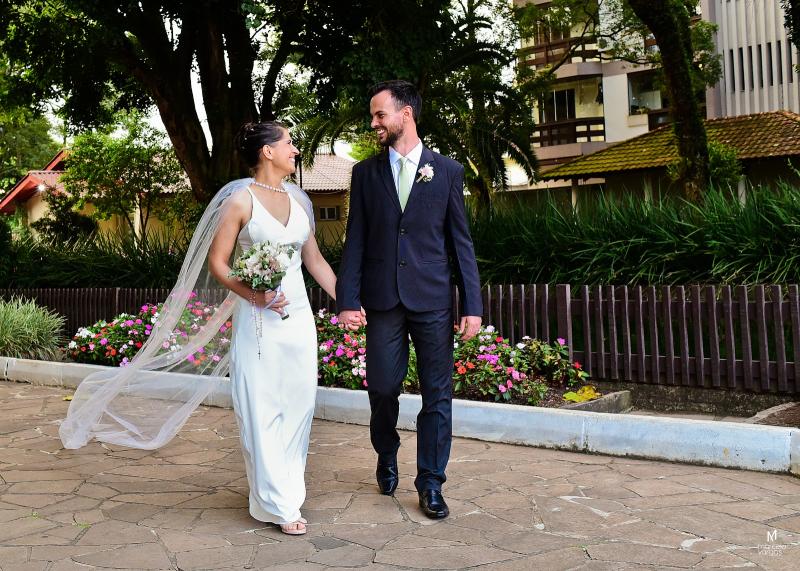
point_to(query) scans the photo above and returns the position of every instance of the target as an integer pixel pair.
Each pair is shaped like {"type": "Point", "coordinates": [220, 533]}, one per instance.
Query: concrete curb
{"type": "Point", "coordinates": [724, 444]}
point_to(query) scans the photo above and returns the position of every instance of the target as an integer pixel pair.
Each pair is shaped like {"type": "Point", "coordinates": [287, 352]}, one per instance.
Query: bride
{"type": "Point", "coordinates": [273, 366]}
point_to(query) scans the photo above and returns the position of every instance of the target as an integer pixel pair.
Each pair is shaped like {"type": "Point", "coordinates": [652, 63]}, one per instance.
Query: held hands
{"type": "Point", "coordinates": [352, 319]}
{"type": "Point", "coordinates": [470, 325]}
{"type": "Point", "coordinates": [263, 298]}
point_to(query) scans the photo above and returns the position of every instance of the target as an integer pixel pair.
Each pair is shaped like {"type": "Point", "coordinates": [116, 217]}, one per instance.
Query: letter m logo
{"type": "Point", "coordinates": [772, 536]}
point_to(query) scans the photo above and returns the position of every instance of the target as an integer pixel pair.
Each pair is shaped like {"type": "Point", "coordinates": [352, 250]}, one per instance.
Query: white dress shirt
{"type": "Point", "coordinates": [414, 155]}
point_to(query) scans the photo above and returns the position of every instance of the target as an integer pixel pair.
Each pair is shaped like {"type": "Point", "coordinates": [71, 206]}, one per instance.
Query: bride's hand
{"type": "Point", "coordinates": [264, 298]}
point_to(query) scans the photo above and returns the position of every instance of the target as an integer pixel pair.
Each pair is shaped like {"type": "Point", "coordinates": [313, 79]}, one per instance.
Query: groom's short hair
{"type": "Point", "coordinates": [403, 92]}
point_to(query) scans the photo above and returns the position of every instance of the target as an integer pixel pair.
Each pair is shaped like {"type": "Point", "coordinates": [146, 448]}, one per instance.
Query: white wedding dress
{"type": "Point", "coordinates": [273, 397]}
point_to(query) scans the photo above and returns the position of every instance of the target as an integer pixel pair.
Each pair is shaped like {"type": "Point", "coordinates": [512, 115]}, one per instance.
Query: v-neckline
{"type": "Point", "coordinates": [265, 209]}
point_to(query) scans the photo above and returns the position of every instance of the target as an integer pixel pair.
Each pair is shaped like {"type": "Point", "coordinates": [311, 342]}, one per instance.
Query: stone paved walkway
{"type": "Point", "coordinates": [185, 506]}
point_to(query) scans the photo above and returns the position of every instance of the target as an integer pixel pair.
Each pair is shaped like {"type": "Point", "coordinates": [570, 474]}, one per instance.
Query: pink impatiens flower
{"type": "Point", "coordinates": [502, 388]}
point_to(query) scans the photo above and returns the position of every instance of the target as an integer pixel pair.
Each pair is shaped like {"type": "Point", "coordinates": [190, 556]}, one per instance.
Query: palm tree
{"type": "Point", "coordinates": [469, 111]}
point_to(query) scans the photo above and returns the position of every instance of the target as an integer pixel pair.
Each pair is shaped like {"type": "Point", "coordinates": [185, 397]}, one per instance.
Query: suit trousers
{"type": "Point", "coordinates": [387, 363]}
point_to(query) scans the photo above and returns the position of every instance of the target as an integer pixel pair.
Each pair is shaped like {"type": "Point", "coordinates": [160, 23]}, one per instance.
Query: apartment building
{"type": "Point", "coordinates": [595, 101]}
{"type": "Point", "coordinates": [760, 63]}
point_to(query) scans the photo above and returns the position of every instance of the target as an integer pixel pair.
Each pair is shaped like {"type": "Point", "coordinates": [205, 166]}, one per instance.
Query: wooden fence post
{"type": "Point", "coordinates": [564, 315]}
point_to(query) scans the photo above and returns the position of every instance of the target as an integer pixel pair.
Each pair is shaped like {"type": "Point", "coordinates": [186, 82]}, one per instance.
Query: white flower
{"type": "Point", "coordinates": [520, 345]}
{"type": "Point", "coordinates": [354, 370]}
{"type": "Point", "coordinates": [426, 173]}
{"type": "Point", "coordinates": [455, 344]}
{"type": "Point", "coordinates": [284, 260]}
{"type": "Point", "coordinates": [526, 338]}
{"type": "Point", "coordinates": [72, 344]}
{"type": "Point", "coordinates": [323, 348]}
{"type": "Point", "coordinates": [489, 329]}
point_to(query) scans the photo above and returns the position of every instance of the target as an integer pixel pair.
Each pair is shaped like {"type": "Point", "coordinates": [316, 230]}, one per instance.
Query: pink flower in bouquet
{"type": "Point", "coordinates": [502, 388]}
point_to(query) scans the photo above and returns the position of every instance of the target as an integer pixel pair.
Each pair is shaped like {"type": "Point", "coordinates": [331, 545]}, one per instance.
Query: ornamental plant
{"type": "Point", "coordinates": [116, 343]}
{"type": "Point", "coordinates": [29, 331]}
{"type": "Point", "coordinates": [489, 367]}
{"type": "Point", "coordinates": [342, 353]}
{"type": "Point", "coordinates": [113, 343]}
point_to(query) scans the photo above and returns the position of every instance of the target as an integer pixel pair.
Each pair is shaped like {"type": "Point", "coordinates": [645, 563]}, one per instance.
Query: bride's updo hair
{"type": "Point", "coordinates": [253, 136]}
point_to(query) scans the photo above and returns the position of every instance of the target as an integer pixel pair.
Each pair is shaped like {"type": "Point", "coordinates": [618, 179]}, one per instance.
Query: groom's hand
{"type": "Point", "coordinates": [352, 319]}
{"type": "Point", "coordinates": [470, 325]}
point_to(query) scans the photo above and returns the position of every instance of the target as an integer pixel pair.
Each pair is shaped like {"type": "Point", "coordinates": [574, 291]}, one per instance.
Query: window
{"type": "Point", "coordinates": [750, 67]}
{"type": "Point", "coordinates": [779, 55]}
{"type": "Point", "coordinates": [329, 213]}
{"type": "Point", "coordinates": [769, 64]}
{"type": "Point", "coordinates": [731, 71]}
{"type": "Point", "coordinates": [789, 65]}
{"type": "Point", "coordinates": [760, 67]}
{"type": "Point", "coordinates": [644, 93]}
{"type": "Point", "coordinates": [741, 69]}
{"type": "Point", "coordinates": [557, 106]}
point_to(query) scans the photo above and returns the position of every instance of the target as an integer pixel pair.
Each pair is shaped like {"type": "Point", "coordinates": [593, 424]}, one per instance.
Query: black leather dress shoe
{"type": "Point", "coordinates": [433, 504]}
{"type": "Point", "coordinates": [387, 477]}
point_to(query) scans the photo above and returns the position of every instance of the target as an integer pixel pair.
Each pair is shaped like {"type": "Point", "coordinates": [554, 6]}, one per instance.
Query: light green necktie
{"type": "Point", "coordinates": [404, 181]}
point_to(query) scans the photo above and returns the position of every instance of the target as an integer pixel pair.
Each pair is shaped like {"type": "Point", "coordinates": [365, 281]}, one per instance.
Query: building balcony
{"type": "Point", "coordinates": [553, 52]}
{"type": "Point", "coordinates": [569, 131]}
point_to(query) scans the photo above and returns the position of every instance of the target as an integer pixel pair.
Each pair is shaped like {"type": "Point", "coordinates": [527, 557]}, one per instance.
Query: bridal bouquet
{"type": "Point", "coordinates": [262, 267]}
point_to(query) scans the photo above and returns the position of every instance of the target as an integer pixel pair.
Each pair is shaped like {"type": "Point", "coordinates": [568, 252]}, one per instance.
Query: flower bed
{"type": "Point", "coordinates": [487, 367]}
{"type": "Point", "coordinates": [115, 343]}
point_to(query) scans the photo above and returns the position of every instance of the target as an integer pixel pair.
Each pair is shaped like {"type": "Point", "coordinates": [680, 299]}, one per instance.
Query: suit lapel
{"type": "Point", "coordinates": [425, 158]}
{"type": "Point", "coordinates": [385, 173]}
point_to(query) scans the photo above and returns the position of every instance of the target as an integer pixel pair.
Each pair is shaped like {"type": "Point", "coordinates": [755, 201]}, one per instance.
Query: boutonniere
{"type": "Point", "coordinates": [425, 173]}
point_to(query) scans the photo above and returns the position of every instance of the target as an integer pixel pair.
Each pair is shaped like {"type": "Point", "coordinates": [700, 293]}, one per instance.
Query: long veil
{"type": "Point", "coordinates": [184, 360]}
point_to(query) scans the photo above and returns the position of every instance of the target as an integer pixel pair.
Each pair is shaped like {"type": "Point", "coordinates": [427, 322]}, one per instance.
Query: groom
{"type": "Point", "coordinates": [406, 236]}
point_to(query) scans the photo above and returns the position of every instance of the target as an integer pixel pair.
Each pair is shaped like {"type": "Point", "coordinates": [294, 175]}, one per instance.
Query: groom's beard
{"type": "Point", "coordinates": [392, 136]}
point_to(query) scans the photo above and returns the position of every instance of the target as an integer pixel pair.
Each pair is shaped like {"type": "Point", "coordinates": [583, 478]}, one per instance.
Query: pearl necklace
{"type": "Point", "coordinates": [268, 187]}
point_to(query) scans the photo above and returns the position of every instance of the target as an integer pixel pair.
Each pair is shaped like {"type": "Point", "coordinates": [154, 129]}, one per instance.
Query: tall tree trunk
{"type": "Point", "coordinates": [668, 20]}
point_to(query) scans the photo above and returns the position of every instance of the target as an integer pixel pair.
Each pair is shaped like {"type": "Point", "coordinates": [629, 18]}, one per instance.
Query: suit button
{"type": "Point", "coordinates": [402, 231]}
{"type": "Point", "coordinates": [402, 263]}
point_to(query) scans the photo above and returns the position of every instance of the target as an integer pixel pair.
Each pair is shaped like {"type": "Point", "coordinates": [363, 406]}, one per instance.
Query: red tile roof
{"type": "Point", "coordinates": [330, 174]}
{"type": "Point", "coordinates": [761, 135]}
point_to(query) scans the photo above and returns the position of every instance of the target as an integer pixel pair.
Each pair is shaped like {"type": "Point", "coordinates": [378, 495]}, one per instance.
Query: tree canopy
{"type": "Point", "coordinates": [123, 175]}
{"type": "Point", "coordinates": [25, 140]}
{"type": "Point", "coordinates": [460, 55]}
{"type": "Point", "coordinates": [685, 58]}
{"type": "Point", "coordinates": [99, 57]}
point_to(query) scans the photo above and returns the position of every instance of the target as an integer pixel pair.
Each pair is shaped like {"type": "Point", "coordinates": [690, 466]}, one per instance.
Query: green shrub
{"type": "Point", "coordinates": [5, 250]}
{"type": "Point", "coordinates": [724, 168]}
{"type": "Point", "coordinates": [629, 241]}
{"type": "Point", "coordinates": [116, 260]}
{"type": "Point", "coordinates": [29, 331]}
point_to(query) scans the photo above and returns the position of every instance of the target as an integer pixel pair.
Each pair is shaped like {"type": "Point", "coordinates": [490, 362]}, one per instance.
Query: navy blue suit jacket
{"type": "Point", "coordinates": [392, 256]}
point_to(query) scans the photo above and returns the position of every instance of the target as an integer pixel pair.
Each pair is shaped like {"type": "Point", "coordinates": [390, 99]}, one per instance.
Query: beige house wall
{"type": "Point", "coordinates": [330, 231]}
{"type": "Point", "coordinates": [36, 208]}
